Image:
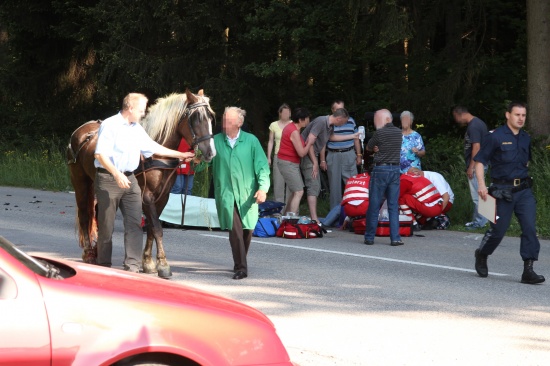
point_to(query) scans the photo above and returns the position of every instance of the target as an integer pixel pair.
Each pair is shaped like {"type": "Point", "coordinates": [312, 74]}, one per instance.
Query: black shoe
{"type": "Point", "coordinates": [529, 276]}
{"type": "Point", "coordinates": [368, 242]}
{"type": "Point", "coordinates": [239, 275]}
{"type": "Point", "coordinates": [481, 264]}
{"type": "Point", "coordinates": [396, 243]}
{"type": "Point", "coordinates": [416, 228]}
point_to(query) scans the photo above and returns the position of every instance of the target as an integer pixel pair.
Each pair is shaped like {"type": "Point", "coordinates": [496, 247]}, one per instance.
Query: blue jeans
{"type": "Point", "coordinates": [384, 182]}
{"type": "Point", "coordinates": [333, 216]}
{"type": "Point", "coordinates": [179, 184]}
{"type": "Point", "coordinates": [477, 219]}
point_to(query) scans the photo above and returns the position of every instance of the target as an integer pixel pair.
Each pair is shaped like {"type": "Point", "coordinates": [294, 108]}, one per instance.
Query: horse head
{"type": "Point", "coordinates": [199, 117]}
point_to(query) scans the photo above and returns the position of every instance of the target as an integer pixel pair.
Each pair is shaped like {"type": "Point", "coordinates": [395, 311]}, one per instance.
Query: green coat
{"type": "Point", "coordinates": [238, 173]}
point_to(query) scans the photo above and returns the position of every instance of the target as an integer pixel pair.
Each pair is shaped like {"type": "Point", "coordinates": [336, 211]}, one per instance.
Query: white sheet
{"type": "Point", "coordinates": [198, 211]}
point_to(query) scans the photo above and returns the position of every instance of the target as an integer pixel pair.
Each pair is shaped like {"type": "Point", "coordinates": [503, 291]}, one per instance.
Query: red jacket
{"type": "Point", "coordinates": [185, 167]}
{"type": "Point", "coordinates": [420, 188]}
{"type": "Point", "coordinates": [356, 195]}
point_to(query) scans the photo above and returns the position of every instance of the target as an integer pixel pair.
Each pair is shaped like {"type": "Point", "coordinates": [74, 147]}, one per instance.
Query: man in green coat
{"type": "Point", "coordinates": [241, 181]}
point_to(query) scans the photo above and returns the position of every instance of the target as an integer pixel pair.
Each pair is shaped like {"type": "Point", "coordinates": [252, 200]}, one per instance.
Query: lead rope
{"type": "Point", "coordinates": [183, 197]}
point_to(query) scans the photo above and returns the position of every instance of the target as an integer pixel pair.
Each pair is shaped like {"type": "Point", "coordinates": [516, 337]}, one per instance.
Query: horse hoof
{"type": "Point", "coordinates": [89, 256]}
{"type": "Point", "coordinates": [147, 268]}
{"type": "Point", "coordinates": [164, 272]}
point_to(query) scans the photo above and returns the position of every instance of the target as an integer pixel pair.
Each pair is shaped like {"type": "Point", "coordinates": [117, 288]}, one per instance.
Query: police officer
{"type": "Point", "coordinates": [508, 150]}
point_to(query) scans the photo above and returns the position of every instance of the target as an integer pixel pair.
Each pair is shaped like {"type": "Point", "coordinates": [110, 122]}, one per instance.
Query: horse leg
{"type": "Point", "coordinates": [163, 268]}
{"type": "Point", "coordinates": [147, 258]}
{"type": "Point", "coordinates": [155, 233]}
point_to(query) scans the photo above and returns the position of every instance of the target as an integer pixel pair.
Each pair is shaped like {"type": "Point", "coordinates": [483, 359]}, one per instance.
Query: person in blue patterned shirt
{"type": "Point", "coordinates": [412, 147]}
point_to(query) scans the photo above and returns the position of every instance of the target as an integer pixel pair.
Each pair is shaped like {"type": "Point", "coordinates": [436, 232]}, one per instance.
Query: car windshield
{"type": "Point", "coordinates": [31, 263]}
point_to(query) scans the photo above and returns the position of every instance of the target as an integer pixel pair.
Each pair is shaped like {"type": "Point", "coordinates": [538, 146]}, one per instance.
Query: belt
{"type": "Point", "coordinates": [103, 170]}
{"type": "Point", "coordinates": [390, 164]}
{"type": "Point", "coordinates": [512, 182]}
{"type": "Point", "coordinates": [340, 150]}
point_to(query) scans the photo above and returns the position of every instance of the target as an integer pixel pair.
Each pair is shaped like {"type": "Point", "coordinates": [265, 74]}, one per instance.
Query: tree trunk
{"type": "Point", "coordinates": [538, 67]}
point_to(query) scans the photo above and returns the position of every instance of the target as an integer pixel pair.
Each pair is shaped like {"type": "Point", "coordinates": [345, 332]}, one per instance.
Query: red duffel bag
{"type": "Point", "coordinates": [291, 229]}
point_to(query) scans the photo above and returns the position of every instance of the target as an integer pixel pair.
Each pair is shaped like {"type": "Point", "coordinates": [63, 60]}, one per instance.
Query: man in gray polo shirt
{"type": "Point", "coordinates": [319, 130]}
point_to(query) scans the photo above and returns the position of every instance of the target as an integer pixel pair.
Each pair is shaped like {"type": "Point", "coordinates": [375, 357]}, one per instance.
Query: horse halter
{"type": "Point", "coordinates": [187, 114]}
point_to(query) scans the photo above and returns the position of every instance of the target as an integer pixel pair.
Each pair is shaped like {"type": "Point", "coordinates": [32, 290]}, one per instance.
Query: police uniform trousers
{"type": "Point", "coordinates": [523, 204]}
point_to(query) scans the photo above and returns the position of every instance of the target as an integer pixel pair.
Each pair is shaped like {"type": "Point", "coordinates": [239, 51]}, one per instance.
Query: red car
{"type": "Point", "coordinates": [57, 312]}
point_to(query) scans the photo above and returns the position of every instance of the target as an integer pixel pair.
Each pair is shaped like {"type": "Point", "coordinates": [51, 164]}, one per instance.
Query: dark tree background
{"type": "Point", "coordinates": [64, 62]}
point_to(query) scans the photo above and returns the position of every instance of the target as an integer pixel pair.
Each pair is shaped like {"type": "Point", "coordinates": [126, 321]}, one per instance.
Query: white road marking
{"type": "Point", "coordinates": [362, 256]}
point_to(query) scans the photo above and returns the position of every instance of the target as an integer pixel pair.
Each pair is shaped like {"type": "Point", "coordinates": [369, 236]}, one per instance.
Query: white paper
{"type": "Point", "coordinates": [488, 208]}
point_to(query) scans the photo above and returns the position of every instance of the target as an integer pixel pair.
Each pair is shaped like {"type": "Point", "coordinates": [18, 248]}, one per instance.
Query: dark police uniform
{"type": "Point", "coordinates": [508, 155]}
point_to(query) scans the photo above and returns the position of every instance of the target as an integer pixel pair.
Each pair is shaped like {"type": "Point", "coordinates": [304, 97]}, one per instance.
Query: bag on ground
{"type": "Point", "coordinates": [269, 208]}
{"type": "Point", "coordinates": [300, 229]}
{"type": "Point", "coordinates": [266, 227]}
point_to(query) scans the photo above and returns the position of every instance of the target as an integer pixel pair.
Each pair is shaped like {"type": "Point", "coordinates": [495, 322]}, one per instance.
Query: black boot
{"type": "Point", "coordinates": [529, 276]}
{"type": "Point", "coordinates": [481, 264]}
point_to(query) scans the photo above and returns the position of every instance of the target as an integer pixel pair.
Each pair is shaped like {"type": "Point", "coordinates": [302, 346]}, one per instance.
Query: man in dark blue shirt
{"type": "Point", "coordinates": [508, 150]}
{"type": "Point", "coordinates": [473, 138]}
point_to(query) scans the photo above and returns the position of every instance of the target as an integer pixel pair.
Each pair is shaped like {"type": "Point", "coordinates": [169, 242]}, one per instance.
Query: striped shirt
{"type": "Point", "coordinates": [388, 139]}
{"type": "Point", "coordinates": [349, 128]}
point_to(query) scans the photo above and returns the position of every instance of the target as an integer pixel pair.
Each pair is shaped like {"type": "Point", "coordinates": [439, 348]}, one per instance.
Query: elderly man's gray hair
{"type": "Point", "coordinates": [407, 114]}
{"type": "Point", "coordinates": [241, 113]}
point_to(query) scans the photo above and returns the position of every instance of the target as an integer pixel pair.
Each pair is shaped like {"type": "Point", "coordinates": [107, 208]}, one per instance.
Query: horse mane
{"type": "Point", "coordinates": [163, 116]}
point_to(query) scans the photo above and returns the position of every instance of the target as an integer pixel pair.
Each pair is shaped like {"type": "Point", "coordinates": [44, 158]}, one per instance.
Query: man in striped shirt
{"type": "Point", "coordinates": [384, 181]}
{"type": "Point", "coordinates": [342, 157]}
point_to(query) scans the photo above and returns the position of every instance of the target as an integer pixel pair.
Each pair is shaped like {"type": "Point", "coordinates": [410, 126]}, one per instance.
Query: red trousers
{"type": "Point", "coordinates": [419, 208]}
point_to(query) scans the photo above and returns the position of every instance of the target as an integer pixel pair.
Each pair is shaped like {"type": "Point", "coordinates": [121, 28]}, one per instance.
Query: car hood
{"type": "Point", "coordinates": [148, 289]}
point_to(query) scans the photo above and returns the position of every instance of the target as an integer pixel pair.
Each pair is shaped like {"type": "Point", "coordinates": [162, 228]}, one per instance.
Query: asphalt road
{"type": "Point", "coordinates": [336, 301]}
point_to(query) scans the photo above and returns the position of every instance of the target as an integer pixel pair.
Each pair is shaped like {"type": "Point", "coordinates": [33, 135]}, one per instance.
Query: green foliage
{"type": "Point", "coordinates": [43, 166]}
{"type": "Point", "coordinates": [443, 154]}
{"type": "Point", "coordinates": [540, 171]}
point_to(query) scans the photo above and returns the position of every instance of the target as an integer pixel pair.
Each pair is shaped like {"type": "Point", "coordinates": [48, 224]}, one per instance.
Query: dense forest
{"type": "Point", "coordinates": [64, 62]}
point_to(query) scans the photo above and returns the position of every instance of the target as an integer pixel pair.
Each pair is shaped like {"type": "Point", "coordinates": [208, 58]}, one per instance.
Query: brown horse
{"type": "Point", "coordinates": [167, 121]}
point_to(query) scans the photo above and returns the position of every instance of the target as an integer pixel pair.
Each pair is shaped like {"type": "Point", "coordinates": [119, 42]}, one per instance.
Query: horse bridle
{"type": "Point", "coordinates": [187, 114]}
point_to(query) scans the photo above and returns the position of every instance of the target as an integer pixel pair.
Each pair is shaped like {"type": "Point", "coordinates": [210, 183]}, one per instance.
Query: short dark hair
{"type": "Point", "coordinates": [515, 103]}
{"type": "Point", "coordinates": [459, 109]}
{"type": "Point", "coordinates": [300, 113]}
{"type": "Point", "coordinates": [337, 101]}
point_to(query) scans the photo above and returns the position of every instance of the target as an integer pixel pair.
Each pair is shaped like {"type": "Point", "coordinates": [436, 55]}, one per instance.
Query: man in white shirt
{"type": "Point", "coordinates": [121, 141]}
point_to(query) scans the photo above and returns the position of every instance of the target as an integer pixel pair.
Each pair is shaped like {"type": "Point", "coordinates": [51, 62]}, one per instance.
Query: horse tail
{"type": "Point", "coordinates": [92, 212]}
{"type": "Point", "coordinates": [87, 239]}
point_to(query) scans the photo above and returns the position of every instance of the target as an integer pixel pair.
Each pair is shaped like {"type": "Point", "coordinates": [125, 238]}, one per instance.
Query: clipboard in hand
{"type": "Point", "coordinates": [488, 208]}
